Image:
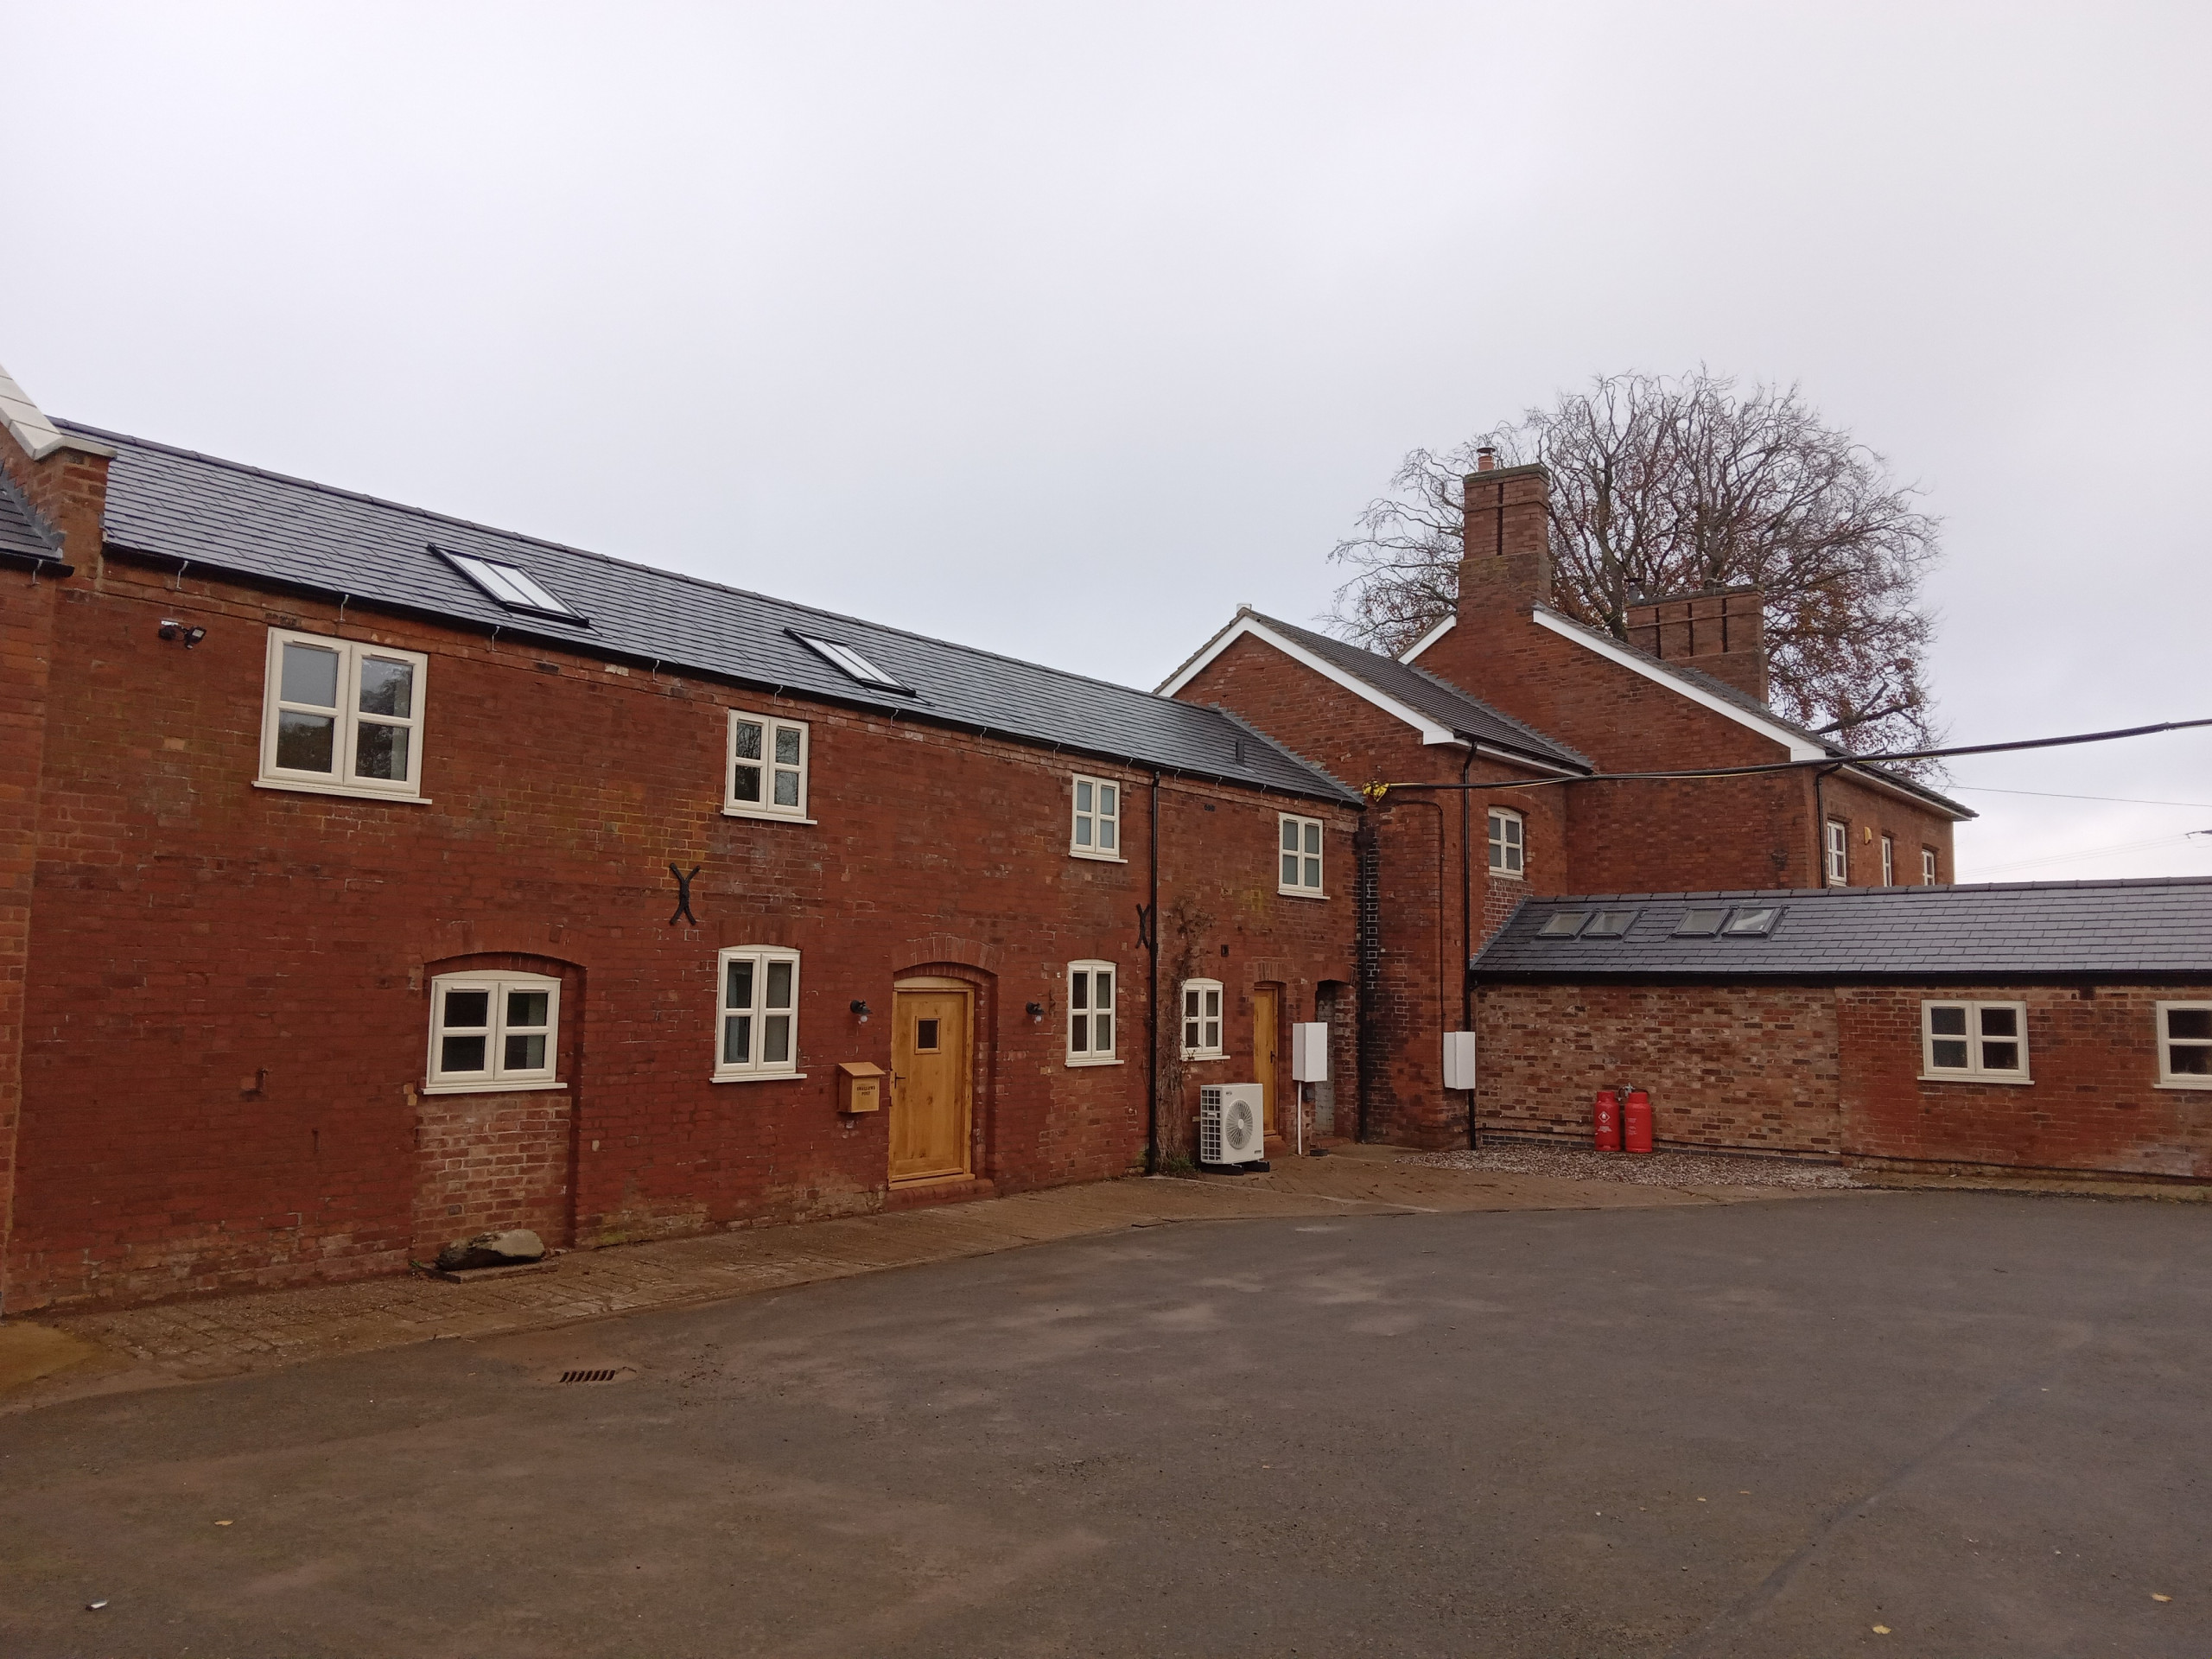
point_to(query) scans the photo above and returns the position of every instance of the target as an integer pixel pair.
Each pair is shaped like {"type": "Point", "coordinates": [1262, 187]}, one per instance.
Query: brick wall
{"type": "Point", "coordinates": [227, 1019]}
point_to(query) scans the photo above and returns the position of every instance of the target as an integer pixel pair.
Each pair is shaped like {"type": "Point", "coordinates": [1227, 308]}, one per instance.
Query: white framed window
{"type": "Point", "coordinates": [1508, 849]}
{"type": "Point", "coordinates": [757, 1026]}
{"type": "Point", "coordinates": [1097, 831]}
{"type": "Point", "coordinates": [1889, 861]}
{"type": "Point", "coordinates": [340, 717]}
{"type": "Point", "coordinates": [1300, 870]}
{"type": "Point", "coordinates": [493, 1031]}
{"type": "Point", "coordinates": [2186, 1044]}
{"type": "Point", "coordinates": [1837, 840]}
{"type": "Point", "coordinates": [1985, 1042]}
{"type": "Point", "coordinates": [1202, 1019]}
{"type": "Point", "coordinates": [1090, 1012]}
{"type": "Point", "coordinates": [764, 774]}
{"type": "Point", "coordinates": [1927, 867]}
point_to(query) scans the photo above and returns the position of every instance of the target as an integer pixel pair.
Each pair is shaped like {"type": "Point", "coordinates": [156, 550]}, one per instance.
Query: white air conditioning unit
{"type": "Point", "coordinates": [1232, 1132]}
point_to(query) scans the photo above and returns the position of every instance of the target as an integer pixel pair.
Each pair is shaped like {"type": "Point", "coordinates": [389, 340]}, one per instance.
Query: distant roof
{"type": "Point", "coordinates": [18, 540]}
{"type": "Point", "coordinates": [219, 514]}
{"type": "Point", "coordinates": [2158, 928]}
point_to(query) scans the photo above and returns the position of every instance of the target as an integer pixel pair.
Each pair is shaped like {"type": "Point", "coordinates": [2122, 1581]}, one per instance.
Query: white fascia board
{"type": "Point", "coordinates": [1870, 779]}
{"type": "Point", "coordinates": [1636, 662]}
{"type": "Point", "coordinates": [1429, 639]}
{"type": "Point", "coordinates": [38, 436]}
{"type": "Point", "coordinates": [1429, 730]}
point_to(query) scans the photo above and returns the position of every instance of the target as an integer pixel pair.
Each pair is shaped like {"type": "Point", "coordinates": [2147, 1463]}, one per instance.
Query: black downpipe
{"type": "Point", "coordinates": [1467, 928]}
{"type": "Point", "coordinates": [1152, 1003]}
{"type": "Point", "coordinates": [1366, 924]}
{"type": "Point", "coordinates": [1820, 829]}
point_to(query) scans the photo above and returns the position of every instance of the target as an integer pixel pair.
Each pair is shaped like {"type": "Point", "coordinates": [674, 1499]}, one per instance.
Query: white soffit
{"type": "Point", "coordinates": [1636, 663]}
{"type": "Point", "coordinates": [28, 425]}
{"type": "Point", "coordinates": [1427, 639]}
{"type": "Point", "coordinates": [1247, 624]}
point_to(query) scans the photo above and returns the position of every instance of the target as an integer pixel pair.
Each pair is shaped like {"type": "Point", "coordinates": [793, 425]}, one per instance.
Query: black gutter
{"type": "Point", "coordinates": [36, 562]}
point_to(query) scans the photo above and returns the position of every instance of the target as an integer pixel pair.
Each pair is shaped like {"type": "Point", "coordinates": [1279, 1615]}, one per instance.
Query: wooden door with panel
{"type": "Point", "coordinates": [932, 1068]}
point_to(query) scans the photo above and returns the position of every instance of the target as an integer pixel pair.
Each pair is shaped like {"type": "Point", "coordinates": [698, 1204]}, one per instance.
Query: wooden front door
{"type": "Point", "coordinates": [1267, 1012]}
{"type": "Point", "coordinates": [932, 1068]}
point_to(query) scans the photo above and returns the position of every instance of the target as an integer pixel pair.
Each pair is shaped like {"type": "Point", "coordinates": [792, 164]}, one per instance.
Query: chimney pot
{"type": "Point", "coordinates": [1485, 459]}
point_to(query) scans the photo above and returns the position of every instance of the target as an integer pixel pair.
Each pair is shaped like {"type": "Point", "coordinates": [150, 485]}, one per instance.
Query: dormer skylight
{"type": "Point", "coordinates": [509, 585]}
{"type": "Point", "coordinates": [845, 658]}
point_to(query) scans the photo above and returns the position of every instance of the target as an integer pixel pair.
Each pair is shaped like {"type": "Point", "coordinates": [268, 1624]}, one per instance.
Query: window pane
{"type": "Point", "coordinates": [737, 989]}
{"type": "Point", "coordinates": [1103, 985]}
{"type": "Point", "coordinates": [1108, 795]}
{"type": "Point", "coordinates": [310, 676]}
{"type": "Point", "coordinates": [2190, 1023]}
{"type": "Point", "coordinates": [1948, 1022]}
{"type": "Point", "coordinates": [387, 688]}
{"type": "Point", "coordinates": [380, 751]}
{"type": "Point", "coordinates": [1213, 1033]}
{"type": "Point", "coordinates": [1949, 1053]}
{"type": "Point", "coordinates": [2188, 1060]}
{"type": "Point", "coordinates": [1078, 1034]}
{"type": "Point", "coordinates": [305, 742]}
{"type": "Point", "coordinates": [1213, 1005]}
{"type": "Point", "coordinates": [525, 1053]}
{"type": "Point", "coordinates": [527, 1008]}
{"type": "Point", "coordinates": [1190, 1005]}
{"type": "Point", "coordinates": [1512, 832]}
{"type": "Point", "coordinates": [1513, 856]}
{"type": "Point", "coordinates": [1081, 796]}
{"type": "Point", "coordinates": [744, 784]}
{"type": "Point", "coordinates": [1290, 869]}
{"type": "Point", "coordinates": [744, 740]}
{"type": "Point", "coordinates": [776, 1040]}
{"type": "Point", "coordinates": [467, 1010]}
{"type": "Point", "coordinates": [1290, 835]}
{"type": "Point", "coordinates": [1080, 990]}
{"type": "Point", "coordinates": [2000, 1057]}
{"type": "Point", "coordinates": [1190, 1033]}
{"type": "Point", "coordinates": [737, 1040]}
{"type": "Point", "coordinates": [1314, 839]}
{"type": "Point", "coordinates": [925, 1036]}
{"type": "Point", "coordinates": [780, 986]}
{"type": "Point", "coordinates": [2000, 1022]}
{"type": "Point", "coordinates": [1083, 832]}
{"type": "Point", "coordinates": [1497, 857]}
{"type": "Point", "coordinates": [1313, 873]}
{"type": "Point", "coordinates": [787, 745]}
{"type": "Point", "coordinates": [1106, 837]}
{"type": "Point", "coordinates": [787, 789]}
{"type": "Point", "coordinates": [461, 1054]}
{"type": "Point", "coordinates": [1105, 1043]}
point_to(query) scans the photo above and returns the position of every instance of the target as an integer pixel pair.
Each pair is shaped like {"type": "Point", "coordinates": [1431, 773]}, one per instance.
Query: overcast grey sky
{"type": "Point", "coordinates": [1061, 330]}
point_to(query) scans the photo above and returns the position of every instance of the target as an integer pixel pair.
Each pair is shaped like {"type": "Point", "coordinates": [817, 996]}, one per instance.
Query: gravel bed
{"type": "Point", "coordinates": [1646, 1169]}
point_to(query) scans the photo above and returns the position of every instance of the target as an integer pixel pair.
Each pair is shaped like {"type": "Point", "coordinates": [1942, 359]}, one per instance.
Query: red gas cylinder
{"type": "Point", "coordinates": [1636, 1121]}
{"type": "Point", "coordinates": [1605, 1121]}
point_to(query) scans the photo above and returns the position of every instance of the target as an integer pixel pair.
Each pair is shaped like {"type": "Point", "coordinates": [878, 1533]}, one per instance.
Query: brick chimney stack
{"type": "Point", "coordinates": [1506, 556]}
{"type": "Point", "coordinates": [61, 477]}
{"type": "Point", "coordinates": [1721, 632]}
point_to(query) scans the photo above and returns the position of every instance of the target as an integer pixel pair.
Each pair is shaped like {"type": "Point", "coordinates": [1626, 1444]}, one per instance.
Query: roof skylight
{"type": "Point", "coordinates": [1563, 923]}
{"type": "Point", "coordinates": [1699, 924]}
{"type": "Point", "coordinates": [1609, 924]}
{"type": "Point", "coordinates": [845, 658]}
{"type": "Point", "coordinates": [1751, 922]}
{"type": "Point", "coordinates": [511, 585]}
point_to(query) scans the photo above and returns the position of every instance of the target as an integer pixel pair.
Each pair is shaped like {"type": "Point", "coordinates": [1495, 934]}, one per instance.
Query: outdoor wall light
{"type": "Point", "coordinates": [173, 629]}
{"type": "Point", "coordinates": [860, 1010]}
{"type": "Point", "coordinates": [1036, 1012]}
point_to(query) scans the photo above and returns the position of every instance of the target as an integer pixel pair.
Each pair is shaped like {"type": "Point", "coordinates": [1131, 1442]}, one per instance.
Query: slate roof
{"type": "Point", "coordinates": [1439, 700]}
{"type": "Point", "coordinates": [2156, 928]}
{"type": "Point", "coordinates": [219, 514]}
{"type": "Point", "coordinates": [17, 539]}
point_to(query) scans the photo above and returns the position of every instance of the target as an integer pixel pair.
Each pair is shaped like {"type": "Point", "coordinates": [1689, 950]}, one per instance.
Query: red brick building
{"type": "Point", "coordinates": [372, 878]}
{"type": "Point", "coordinates": [1526, 718]}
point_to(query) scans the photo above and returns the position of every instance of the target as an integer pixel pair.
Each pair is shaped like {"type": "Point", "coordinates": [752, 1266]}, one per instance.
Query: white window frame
{"type": "Point", "coordinates": [1195, 1018]}
{"type": "Point", "coordinates": [2167, 1078]}
{"type": "Point", "coordinates": [1836, 844]}
{"type": "Point", "coordinates": [1975, 1071]}
{"type": "Point", "coordinates": [1889, 861]}
{"type": "Point", "coordinates": [346, 717]}
{"type": "Point", "coordinates": [497, 1077]}
{"type": "Point", "coordinates": [1090, 827]}
{"type": "Point", "coordinates": [1509, 854]}
{"type": "Point", "coordinates": [1308, 838]}
{"type": "Point", "coordinates": [1927, 867]}
{"type": "Point", "coordinates": [760, 1011]}
{"type": "Point", "coordinates": [1083, 1007]}
{"type": "Point", "coordinates": [770, 726]}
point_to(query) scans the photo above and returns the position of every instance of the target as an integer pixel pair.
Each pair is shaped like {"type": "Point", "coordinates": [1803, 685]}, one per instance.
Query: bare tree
{"type": "Point", "coordinates": [1663, 485]}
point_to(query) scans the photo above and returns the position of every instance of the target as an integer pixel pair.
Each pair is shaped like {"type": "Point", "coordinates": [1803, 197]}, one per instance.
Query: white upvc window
{"type": "Point", "coordinates": [1300, 867]}
{"type": "Point", "coordinates": [1927, 867]}
{"type": "Point", "coordinates": [1509, 848]}
{"type": "Point", "coordinates": [1837, 840]}
{"type": "Point", "coordinates": [1983, 1042]}
{"type": "Point", "coordinates": [1202, 1019]}
{"type": "Point", "coordinates": [757, 1027]}
{"type": "Point", "coordinates": [494, 1031]}
{"type": "Point", "coordinates": [2186, 1044]}
{"type": "Point", "coordinates": [340, 717]}
{"type": "Point", "coordinates": [1096, 829]}
{"type": "Point", "coordinates": [1090, 1012]}
{"type": "Point", "coordinates": [1889, 861]}
{"type": "Point", "coordinates": [764, 773]}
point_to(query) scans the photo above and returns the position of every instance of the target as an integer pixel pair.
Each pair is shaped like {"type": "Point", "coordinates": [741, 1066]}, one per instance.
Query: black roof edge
{"type": "Point", "coordinates": [1329, 789]}
{"type": "Point", "coordinates": [49, 562]}
{"type": "Point", "coordinates": [2005, 976]}
{"type": "Point", "coordinates": [1289, 753]}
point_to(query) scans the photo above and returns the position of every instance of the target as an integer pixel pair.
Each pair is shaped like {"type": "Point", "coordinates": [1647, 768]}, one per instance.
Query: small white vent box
{"type": "Point", "coordinates": [1309, 1052]}
{"type": "Point", "coordinates": [1231, 1135]}
{"type": "Point", "coordinates": [1458, 1059]}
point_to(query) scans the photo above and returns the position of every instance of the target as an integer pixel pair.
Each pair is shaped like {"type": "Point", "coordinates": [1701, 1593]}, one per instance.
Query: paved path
{"type": "Point", "coordinates": [225, 1336]}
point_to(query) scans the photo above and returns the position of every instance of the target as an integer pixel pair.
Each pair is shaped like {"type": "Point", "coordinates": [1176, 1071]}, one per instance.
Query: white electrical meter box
{"type": "Point", "coordinates": [1458, 1059]}
{"type": "Point", "coordinates": [1309, 1052]}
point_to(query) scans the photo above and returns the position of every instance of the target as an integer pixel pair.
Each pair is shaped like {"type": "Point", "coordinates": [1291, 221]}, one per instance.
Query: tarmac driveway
{"type": "Point", "coordinates": [1976, 1420]}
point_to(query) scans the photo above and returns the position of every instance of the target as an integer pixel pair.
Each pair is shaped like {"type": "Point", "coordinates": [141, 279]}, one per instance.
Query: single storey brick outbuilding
{"type": "Point", "coordinates": [2057, 1025]}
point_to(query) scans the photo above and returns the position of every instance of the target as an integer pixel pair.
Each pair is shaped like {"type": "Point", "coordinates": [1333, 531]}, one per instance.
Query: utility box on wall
{"type": "Point", "coordinates": [859, 1086]}
{"type": "Point", "coordinates": [1458, 1059]}
{"type": "Point", "coordinates": [1309, 1052]}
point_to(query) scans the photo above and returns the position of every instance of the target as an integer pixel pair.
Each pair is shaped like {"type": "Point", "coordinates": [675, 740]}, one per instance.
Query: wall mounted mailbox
{"type": "Point", "coordinates": [859, 1086]}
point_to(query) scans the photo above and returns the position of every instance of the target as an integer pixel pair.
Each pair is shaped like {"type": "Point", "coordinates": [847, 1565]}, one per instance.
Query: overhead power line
{"type": "Point", "coordinates": [2053, 795]}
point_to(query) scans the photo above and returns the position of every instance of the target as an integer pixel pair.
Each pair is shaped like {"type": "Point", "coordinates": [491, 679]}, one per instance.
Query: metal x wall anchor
{"type": "Point", "coordinates": [1147, 926]}
{"type": "Point", "coordinates": [682, 895]}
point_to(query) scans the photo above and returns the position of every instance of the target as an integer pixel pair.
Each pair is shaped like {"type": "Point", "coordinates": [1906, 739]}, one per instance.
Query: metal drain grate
{"type": "Point", "coordinates": [590, 1376]}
